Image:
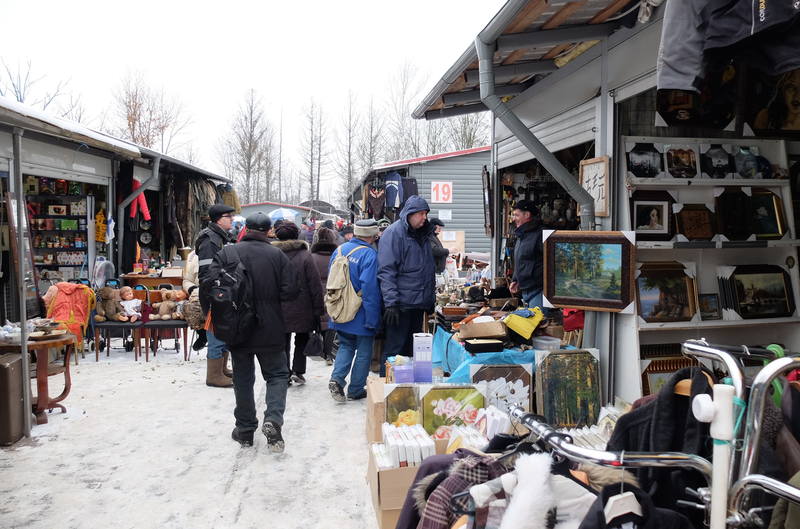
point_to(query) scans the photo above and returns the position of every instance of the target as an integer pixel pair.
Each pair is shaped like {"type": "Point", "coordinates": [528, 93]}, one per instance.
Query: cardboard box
{"type": "Point", "coordinates": [388, 489]}
{"type": "Point", "coordinates": [493, 329]}
{"type": "Point", "coordinates": [423, 343]}
{"type": "Point", "coordinates": [508, 303]}
{"type": "Point", "coordinates": [376, 409]}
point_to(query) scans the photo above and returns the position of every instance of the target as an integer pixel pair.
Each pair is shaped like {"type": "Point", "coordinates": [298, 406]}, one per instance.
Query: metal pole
{"type": "Point", "coordinates": [23, 309]}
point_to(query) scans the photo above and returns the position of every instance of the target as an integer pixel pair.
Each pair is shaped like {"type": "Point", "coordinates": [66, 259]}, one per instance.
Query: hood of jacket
{"type": "Point", "coordinates": [291, 245]}
{"type": "Point", "coordinates": [413, 204]}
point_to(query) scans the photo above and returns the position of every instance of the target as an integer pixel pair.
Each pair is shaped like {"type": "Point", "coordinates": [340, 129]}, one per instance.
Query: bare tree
{"type": "Point", "coordinates": [321, 152]}
{"type": "Point", "coordinates": [280, 161]}
{"type": "Point", "coordinates": [407, 137]}
{"type": "Point", "coordinates": [468, 131]}
{"type": "Point", "coordinates": [21, 84]}
{"type": "Point", "coordinates": [347, 152]}
{"type": "Point", "coordinates": [148, 116]}
{"type": "Point", "coordinates": [370, 144]}
{"type": "Point", "coordinates": [247, 151]}
{"type": "Point", "coordinates": [435, 137]}
{"type": "Point", "coordinates": [309, 146]}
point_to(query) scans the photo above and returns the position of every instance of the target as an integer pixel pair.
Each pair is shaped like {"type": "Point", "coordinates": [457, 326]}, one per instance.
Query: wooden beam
{"type": "Point", "coordinates": [527, 16]}
{"type": "Point", "coordinates": [606, 13]}
{"type": "Point", "coordinates": [563, 14]}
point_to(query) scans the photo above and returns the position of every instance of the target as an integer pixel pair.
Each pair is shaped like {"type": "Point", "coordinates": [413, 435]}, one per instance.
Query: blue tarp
{"type": "Point", "coordinates": [451, 356]}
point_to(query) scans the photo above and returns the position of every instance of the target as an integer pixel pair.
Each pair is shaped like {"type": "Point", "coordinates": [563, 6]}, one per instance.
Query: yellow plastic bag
{"type": "Point", "coordinates": [524, 326]}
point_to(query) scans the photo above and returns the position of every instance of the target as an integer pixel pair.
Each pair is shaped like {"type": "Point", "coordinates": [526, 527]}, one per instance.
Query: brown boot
{"type": "Point", "coordinates": [214, 376]}
{"type": "Point", "coordinates": [225, 371]}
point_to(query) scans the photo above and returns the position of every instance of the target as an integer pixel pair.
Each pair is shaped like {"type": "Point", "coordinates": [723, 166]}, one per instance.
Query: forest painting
{"type": "Point", "coordinates": [588, 270]}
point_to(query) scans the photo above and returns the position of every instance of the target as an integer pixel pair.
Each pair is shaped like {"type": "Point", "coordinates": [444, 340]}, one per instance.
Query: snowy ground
{"type": "Point", "coordinates": [147, 445]}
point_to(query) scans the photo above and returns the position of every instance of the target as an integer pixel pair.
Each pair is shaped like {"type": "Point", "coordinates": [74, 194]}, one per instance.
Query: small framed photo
{"type": "Point", "coordinates": [768, 219]}
{"type": "Point", "coordinates": [681, 161]}
{"type": "Point", "coordinates": [709, 307]}
{"type": "Point", "coordinates": [762, 291]}
{"type": "Point", "coordinates": [665, 292]}
{"type": "Point", "coordinates": [58, 209]}
{"type": "Point", "coordinates": [645, 160]}
{"type": "Point", "coordinates": [695, 222]}
{"type": "Point", "coordinates": [651, 216]}
{"type": "Point", "coordinates": [716, 161]}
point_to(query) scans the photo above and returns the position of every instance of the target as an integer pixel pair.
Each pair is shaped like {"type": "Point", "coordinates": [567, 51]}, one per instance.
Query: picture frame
{"type": "Point", "coordinates": [716, 161]}
{"type": "Point", "coordinates": [665, 292]}
{"type": "Point", "coordinates": [709, 307]}
{"type": "Point", "coordinates": [593, 177]}
{"type": "Point", "coordinates": [762, 291]}
{"type": "Point", "coordinates": [447, 406]}
{"type": "Point", "coordinates": [645, 160]}
{"type": "Point", "coordinates": [641, 198]}
{"type": "Point", "coordinates": [695, 222]}
{"type": "Point", "coordinates": [568, 387]}
{"type": "Point", "coordinates": [652, 217]}
{"type": "Point", "coordinates": [660, 370]}
{"type": "Point", "coordinates": [681, 160]}
{"type": "Point", "coordinates": [590, 270]}
{"type": "Point", "coordinates": [402, 404]}
{"type": "Point", "coordinates": [734, 214]}
{"type": "Point", "coordinates": [504, 385]}
{"type": "Point", "coordinates": [766, 208]}
{"type": "Point", "coordinates": [57, 209]}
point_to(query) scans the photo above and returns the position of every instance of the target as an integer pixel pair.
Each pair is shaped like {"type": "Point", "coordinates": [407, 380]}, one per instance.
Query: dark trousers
{"type": "Point", "coordinates": [275, 373]}
{"type": "Point", "coordinates": [399, 338]}
{"type": "Point", "coordinates": [298, 364]}
{"type": "Point", "coordinates": [327, 343]}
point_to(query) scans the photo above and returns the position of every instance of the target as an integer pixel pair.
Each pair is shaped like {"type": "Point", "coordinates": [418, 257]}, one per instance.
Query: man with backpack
{"type": "Point", "coordinates": [210, 241]}
{"type": "Point", "coordinates": [248, 282]}
{"type": "Point", "coordinates": [353, 301]}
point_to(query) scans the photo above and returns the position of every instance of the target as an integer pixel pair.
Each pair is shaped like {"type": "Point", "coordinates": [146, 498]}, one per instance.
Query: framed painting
{"type": "Point", "coordinates": [402, 405]}
{"type": "Point", "coordinates": [446, 406]}
{"type": "Point", "coordinates": [593, 178]}
{"type": "Point", "coordinates": [767, 210]}
{"type": "Point", "coordinates": [716, 161]}
{"type": "Point", "coordinates": [659, 371]}
{"type": "Point", "coordinates": [695, 222]}
{"type": "Point", "coordinates": [645, 160]}
{"type": "Point", "coordinates": [762, 291]}
{"type": "Point", "coordinates": [709, 307]}
{"type": "Point", "coordinates": [590, 270]}
{"type": "Point", "coordinates": [665, 292]}
{"type": "Point", "coordinates": [681, 160]}
{"type": "Point", "coordinates": [651, 215]}
{"type": "Point", "coordinates": [568, 387]}
{"type": "Point", "coordinates": [734, 214]}
{"type": "Point", "coordinates": [504, 385]}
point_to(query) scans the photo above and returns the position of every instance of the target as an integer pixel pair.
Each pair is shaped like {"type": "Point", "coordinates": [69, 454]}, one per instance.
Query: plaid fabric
{"type": "Point", "coordinates": [468, 472]}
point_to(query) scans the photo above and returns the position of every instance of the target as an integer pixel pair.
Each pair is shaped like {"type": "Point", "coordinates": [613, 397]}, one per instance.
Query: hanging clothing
{"type": "Point", "coordinates": [409, 188]}
{"type": "Point", "coordinates": [70, 304]}
{"type": "Point", "coordinates": [229, 197]}
{"type": "Point", "coordinates": [394, 190]}
{"type": "Point", "coordinates": [376, 202]}
{"type": "Point", "coordinates": [652, 517]}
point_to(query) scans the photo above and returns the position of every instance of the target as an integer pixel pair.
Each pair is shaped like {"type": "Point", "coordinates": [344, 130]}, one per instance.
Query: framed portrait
{"type": "Point", "coordinates": [645, 160]}
{"type": "Point", "coordinates": [651, 215]}
{"type": "Point", "coordinates": [594, 179]}
{"type": "Point", "coordinates": [716, 161]}
{"type": "Point", "coordinates": [665, 292]}
{"type": "Point", "coordinates": [767, 210]}
{"type": "Point", "coordinates": [734, 214]}
{"type": "Point", "coordinates": [659, 371]}
{"type": "Point", "coordinates": [709, 307]}
{"type": "Point", "coordinates": [590, 270]}
{"type": "Point", "coordinates": [681, 160]}
{"type": "Point", "coordinates": [695, 222]}
{"type": "Point", "coordinates": [774, 103]}
{"type": "Point", "coordinates": [762, 291]}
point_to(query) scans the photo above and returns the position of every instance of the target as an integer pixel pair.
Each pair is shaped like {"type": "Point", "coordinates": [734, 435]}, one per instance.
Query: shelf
{"type": "Point", "coordinates": [61, 197]}
{"type": "Point", "coordinates": [699, 245]}
{"type": "Point", "coordinates": [712, 324]}
{"type": "Point", "coordinates": [59, 265]}
{"type": "Point", "coordinates": [60, 217]}
{"type": "Point", "coordinates": [707, 182]}
{"type": "Point", "coordinates": [60, 231]}
{"type": "Point", "coordinates": [62, 249]}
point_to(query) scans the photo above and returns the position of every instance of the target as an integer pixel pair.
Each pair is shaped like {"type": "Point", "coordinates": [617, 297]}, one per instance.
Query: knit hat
{"type": "Point", "coordinates": [324, 235]}
{"type": "Point", "coordinates": [216, 211]}
{"type": "Point", "coordinates": [366, 228]}
{"type": "Point", "coordinates": [287, 231]}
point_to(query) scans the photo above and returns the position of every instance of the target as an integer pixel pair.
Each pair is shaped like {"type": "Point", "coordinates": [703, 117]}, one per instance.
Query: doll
{"type": "Point", "coordinates": [180, 298]}
{"type": "Point", "coordinates": [131, 306]}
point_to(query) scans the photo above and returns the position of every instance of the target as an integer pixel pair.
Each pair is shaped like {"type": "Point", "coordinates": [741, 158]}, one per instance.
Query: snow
{"type": "Point", "coordinates": [148, 445]}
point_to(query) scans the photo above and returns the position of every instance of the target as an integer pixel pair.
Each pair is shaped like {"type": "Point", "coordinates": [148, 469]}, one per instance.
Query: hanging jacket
{"type": "Point", "coordinates": [406, 269]}
{"type": "Point", "coordinates": [71, 304]}
{"type": "Point", "coordinates": [394, 190]}
{"type": "Point", "coordinates": [529, 256]}
{"type": "Point", "coordinates": [652, 517]}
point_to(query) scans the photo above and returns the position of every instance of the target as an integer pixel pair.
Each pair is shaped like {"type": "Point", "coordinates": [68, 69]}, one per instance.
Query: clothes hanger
{"type": "Point", "coordinates": [684, 387]}
{"type": "Point", "coordinates": [623, 503]}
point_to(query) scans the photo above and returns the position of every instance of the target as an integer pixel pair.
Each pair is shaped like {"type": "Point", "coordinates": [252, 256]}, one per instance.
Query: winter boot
{"type": "Point", "coordinates": [243, 438]}
{"type": "Point", "coordinates": [225, 371]}
{"type": "Point", "coordinates": [337, 392]}
{"type": "Point", "coordinates": [274, 439]}
{"type": "Point", "coordinates": [214, 376]}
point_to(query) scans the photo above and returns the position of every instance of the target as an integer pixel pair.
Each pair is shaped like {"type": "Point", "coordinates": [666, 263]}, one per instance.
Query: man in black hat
{"type": "Point", "coordinates": [209, 242]}
{"type": "Point", "coordinates": [528, 254]}
{"type": "Point", "coordinates": [440, 253]}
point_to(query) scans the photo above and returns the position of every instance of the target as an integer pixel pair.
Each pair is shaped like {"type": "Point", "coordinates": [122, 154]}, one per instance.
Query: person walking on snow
{"type": "Point", "coordinates": [302, 313]}
{"type": "Point", "coordinates": [406, 275]}
{"type": "Point", "coordinates": [356, 335]}
{"type": "Point", "coordinates": [273, 282]}
{"type": "Point", "coordinates": [321, 251]}
{"type": "Point", "coordinates": [209, 242]}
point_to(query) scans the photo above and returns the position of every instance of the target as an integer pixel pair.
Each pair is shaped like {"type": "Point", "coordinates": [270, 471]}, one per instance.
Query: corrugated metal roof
{"type": "Point", "coordinates": [516, 17]}
{"type": "Point", "coordinates": [423, 159]}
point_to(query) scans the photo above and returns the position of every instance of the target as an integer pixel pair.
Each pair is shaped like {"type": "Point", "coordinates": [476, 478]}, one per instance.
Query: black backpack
{"type": "Point", "coordinates": [233, 311]}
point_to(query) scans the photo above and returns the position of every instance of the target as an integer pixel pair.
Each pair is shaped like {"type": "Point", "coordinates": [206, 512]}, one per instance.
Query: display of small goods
{"type": "Point", "coordinates": [666, 291]}
{"type": "Point", "coordinates": [755, 292]}
{"type": "Point", "coordinates": [681, 161]}
{"type": "Point", "coordinates": [504, 385]}
{"type": "Point", "coordinates": [658, 371]}
{"type": "Point", "coordinates": [589, 270]}
{"type": "Point", "coordinates": [695, 221]}
{"type": "Point", "coordinates": [709, 307]}
{"type": "Point", "coordinates": [568, 387]}
{"type": "Point", "coordinates": [59, 258]}
{"type": "Point", "coordinates": [651, 215]}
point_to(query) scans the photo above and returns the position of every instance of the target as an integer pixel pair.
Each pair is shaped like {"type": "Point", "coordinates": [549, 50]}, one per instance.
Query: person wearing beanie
{"type": "Point", "coordinates": [325, 243]}
{"type": "Point", "coordinates": [273, 282]}
{"type": "Point", "coordinates": [356, 336]}
{"type": "Point", "coordinates": [208, 243]}
{"type": "Point", "coordinates": [302, 313]}
{"type": "Point", "coordinates": [407, 277]}
{"type": "Point", "coordinates": [440, 253]}
{"type": "Point", "coordinates": [528, 254]}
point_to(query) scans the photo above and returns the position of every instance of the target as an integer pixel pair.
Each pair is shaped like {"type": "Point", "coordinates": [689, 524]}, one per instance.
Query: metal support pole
{"type": "Point", "coordinates": [23, 309]}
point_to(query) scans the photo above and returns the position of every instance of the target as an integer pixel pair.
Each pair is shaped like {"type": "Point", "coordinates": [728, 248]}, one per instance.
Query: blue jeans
{"type": "Point", "coordinates": [275, 373]}
{"type": "Point", "coordinates": [350, 346]}
{"type": "Point", "coordinates": [215, 346]}
{"type": "Point", "coordinates": [533, 298]}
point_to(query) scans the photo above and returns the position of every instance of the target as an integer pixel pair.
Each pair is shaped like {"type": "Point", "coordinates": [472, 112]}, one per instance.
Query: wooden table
{"type": "Point", "coordinates": [44, 370]}
{"type": "Point", "coordinates": [132, 280]}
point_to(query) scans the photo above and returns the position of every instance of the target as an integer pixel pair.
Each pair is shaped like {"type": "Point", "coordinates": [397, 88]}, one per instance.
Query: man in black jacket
{"type": "Point", "coordinates": [209, 242]}
{"type": "Point", "coordinates": [273, 281]}
{"type": "Point", "coordinates": [440, 253]}
{"type": "Point", "coordinates": [528, 254]}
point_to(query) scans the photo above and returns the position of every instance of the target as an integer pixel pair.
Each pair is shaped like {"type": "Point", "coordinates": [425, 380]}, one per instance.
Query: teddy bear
{"type": "Point", "coordinates": [166, 307]}
{"type": "Point", "coordinates": [109, 308]}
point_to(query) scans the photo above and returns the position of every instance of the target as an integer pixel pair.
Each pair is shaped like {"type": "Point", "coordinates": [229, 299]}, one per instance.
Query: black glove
{"type": "Point", "coordinates": [391, 317]}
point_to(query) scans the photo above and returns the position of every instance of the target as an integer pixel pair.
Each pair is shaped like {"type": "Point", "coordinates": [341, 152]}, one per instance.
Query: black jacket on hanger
{"type": "Point", "coordinates": [652, 517]}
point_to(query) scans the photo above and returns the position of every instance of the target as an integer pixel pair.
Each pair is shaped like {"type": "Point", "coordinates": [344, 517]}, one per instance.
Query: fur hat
{"type": "Point", "coordinates": [325, 236]}
{"type": "Point", "coordinates": [287, 230]}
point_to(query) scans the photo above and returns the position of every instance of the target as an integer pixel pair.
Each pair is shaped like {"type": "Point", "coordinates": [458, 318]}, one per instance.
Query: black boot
{"type": "Point", "coordinates": [243, 438]}
{"type": "Point", "coordinates": [201, 340]}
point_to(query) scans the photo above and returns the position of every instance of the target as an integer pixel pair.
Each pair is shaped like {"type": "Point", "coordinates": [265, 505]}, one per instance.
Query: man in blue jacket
{"type": "Point", "coordinates": [407, 277]}
{"type": "Point", "coordinates": [355, 336]}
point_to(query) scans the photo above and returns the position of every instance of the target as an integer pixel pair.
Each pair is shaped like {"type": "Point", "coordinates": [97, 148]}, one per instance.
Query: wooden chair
{"type": "Point", "coordinates": [106, 327]}
{"type": "Point", "coordinates": [153, 329]}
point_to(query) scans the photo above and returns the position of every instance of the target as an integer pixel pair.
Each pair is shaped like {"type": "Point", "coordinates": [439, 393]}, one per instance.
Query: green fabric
{"type": "Point", "coordinates": [787, 514]}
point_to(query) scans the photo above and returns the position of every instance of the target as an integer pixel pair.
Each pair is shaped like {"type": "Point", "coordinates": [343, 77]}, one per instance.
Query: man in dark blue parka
{"type": "Point", "coordinates": [406, 275]}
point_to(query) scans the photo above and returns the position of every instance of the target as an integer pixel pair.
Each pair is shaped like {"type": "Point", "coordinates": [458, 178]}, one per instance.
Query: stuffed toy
{"type": "Point", "coordinates": [166, 308]}
{"type": "Point", "coordinates": [132, 307]}
{"type": "Point", "coordinates": [180, 300]}
{"type": "Point", "coordinates": [108, 307]}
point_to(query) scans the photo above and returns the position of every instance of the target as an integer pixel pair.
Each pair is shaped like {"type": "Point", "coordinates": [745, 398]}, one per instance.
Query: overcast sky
{"type": "Point", "coordinates": [210, 56]}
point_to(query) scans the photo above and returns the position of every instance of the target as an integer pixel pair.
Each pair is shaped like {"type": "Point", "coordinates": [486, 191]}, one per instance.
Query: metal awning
{"type": "Point", "coordinates": [534, 38]}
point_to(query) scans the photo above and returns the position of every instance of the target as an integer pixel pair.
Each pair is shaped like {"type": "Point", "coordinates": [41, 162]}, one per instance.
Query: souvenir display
{"type": "Point", "coordinates": [716, 161]}
{"type": "Point", "coordinates": [645, 161]}
{"type": "Point", "coordinates": [589, 269]}
{"type": "Point", "coordinates": [709, 307]}
{"type": "Point", "coordinates": [695, 222]}
{"type": "Point", "coordinates": [568, 387]}
{"type": "Point", "coordinates": [681, 161]}
{"type": "Point", "coordinates": [734, 215]}
{"type": "Point", "coordinates": [767, 210]}
{"type": "Point", "coordinates": [666, 291]}
{"type": "Point", "coordinates": [504, 385]}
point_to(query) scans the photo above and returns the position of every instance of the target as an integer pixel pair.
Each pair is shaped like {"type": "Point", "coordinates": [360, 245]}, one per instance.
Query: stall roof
{"type": "Point", "coordinates": [534, 38]}
{"type": "Point", "coordinates": [423, 159]}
